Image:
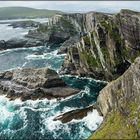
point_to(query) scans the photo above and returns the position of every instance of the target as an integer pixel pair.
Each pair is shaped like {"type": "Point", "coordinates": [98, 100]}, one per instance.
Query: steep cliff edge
{"type": "Point", "coordinates": [107, 46]}
{"type": "Point", "coordinates": [119, 103]}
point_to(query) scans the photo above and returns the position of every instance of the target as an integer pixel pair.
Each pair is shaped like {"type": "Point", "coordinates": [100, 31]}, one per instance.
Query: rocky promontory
{"type": "Point", "coordinates": [31, 83]}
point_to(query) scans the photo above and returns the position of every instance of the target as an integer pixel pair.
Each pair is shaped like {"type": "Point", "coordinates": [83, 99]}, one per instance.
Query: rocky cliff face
{"type": "Point", "coordinates": [107, 45]}
{"type": "Point", "coordinates": [119, 103]}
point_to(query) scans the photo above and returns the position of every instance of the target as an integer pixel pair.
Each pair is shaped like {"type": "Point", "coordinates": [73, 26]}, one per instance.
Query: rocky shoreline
{"type": "Point", "coordinates": [32, 84]}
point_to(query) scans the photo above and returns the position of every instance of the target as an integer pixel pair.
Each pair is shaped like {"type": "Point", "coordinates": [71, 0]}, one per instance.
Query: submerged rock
{"type": "Point", "coordinates": [30, 83]}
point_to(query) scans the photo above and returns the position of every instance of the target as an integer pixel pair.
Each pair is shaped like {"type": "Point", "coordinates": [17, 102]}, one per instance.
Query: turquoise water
{"type": "Point", "coordinates": [34, 119]}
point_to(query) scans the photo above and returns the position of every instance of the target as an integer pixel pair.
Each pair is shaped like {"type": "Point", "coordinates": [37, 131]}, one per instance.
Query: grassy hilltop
{"type": "Point", "coordinates": [25, 12]}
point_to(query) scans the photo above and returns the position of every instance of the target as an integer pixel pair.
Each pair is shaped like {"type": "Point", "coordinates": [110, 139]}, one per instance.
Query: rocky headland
{"type": "Point", "coordinates": [98, 45]}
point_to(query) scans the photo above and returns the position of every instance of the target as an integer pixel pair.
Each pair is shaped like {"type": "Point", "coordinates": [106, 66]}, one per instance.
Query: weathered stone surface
{"type": "Point", "coordinates": [125, 88]}
{"type": "Point", "coordinates": [58, 37]}
{"type": "Point", "coordinates": [34, 84]}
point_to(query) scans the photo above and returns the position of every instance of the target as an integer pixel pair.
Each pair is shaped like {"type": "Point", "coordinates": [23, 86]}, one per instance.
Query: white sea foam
{"type": "Point", "coordinates": [7, 109]}
{"type": "Point", "coordinates": [67, 109]}
{"type": "Point", "coordinates": [33, 56]}
{"type": "Point", "coordinates": [90, 79]}
{"type": "Point", "coordinates": [91, 122]}
{"type": "Point", "coordinates": [24, 33]}
{"type": "Point", "coordinates": [24, 64]}
{"type": "Point", "coordinates": [5, 114]}
{"type": "Point", "coordinates": [9, 28]}
{"type": "Point", "coordinates": [18, 49]}
{"type": "Point", "coordinates": [42, 56]}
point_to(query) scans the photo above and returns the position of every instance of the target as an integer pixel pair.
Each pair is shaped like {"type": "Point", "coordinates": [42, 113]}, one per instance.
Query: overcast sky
{"type": "Point", "coordinates": [104, 6]}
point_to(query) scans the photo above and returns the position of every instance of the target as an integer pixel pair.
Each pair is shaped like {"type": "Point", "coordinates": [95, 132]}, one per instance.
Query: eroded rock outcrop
{"type": "Point", "coordinates": [119, 103]}
{"type": "Point", "coordinates": [34, 84]}
{"type": "Point", "coordinates": [19, 43]}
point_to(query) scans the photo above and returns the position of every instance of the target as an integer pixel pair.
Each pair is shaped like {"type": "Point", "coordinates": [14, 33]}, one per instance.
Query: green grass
{"type": "Point", "coordinates": [118, 125]}
{"type": "Point", "coordinates": [25, 12]}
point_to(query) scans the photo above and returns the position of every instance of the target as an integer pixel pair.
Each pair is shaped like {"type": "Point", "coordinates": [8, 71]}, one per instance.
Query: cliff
{"type": "Point", "coordinates": [119, 103]}
{"type": "Point", "coordinates": [107, 45]}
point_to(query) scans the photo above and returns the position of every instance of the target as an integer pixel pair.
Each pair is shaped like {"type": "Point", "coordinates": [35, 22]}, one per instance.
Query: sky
{"type": "Point", "coordinates": [76, 6]}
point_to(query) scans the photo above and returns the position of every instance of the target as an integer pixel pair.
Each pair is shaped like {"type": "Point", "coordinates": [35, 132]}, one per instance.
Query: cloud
{"type": "Point", "coordinates": [104, 6]}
